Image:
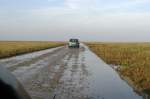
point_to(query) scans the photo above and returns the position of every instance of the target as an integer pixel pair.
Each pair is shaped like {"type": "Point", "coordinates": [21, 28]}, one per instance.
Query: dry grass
{"type": "Point", "coordinates": [133, 58]}
{"type": "Point", "coordinates": [12, 48]}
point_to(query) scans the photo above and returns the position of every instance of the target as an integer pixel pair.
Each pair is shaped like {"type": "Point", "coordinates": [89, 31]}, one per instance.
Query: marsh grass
{"type": "Point", "coordinates": [12, 48]}
{"type": "Point", "coordinates": [133, 59]}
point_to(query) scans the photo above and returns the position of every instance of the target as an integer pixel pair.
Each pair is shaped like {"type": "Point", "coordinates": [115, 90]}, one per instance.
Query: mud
{"type": "Point", "coordinates": [64, 73]}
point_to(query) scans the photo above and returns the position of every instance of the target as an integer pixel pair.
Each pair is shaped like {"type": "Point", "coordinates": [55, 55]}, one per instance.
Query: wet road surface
{"type": "Point", "coordinates": [64, 73]}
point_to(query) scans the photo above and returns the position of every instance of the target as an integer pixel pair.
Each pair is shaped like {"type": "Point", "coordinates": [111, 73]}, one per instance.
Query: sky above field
{"type": "Point", "coordinates": [88, 20]}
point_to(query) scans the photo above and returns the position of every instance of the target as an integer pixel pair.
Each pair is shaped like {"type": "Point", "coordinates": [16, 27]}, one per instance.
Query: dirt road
{"type": "Point", "coordinates": [63, 73]}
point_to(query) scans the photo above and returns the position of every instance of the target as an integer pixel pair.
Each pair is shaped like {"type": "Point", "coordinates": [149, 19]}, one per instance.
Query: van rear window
{"type": "Point", "coordinates": [73, 40]}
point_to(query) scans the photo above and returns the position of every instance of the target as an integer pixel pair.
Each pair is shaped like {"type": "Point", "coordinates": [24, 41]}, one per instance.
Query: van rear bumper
{"type": "Point", "coordinates": [74, 46]}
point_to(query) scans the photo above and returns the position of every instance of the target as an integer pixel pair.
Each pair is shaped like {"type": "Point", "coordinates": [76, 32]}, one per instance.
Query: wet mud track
{"type": "Point", "coordinates": [64, 73]}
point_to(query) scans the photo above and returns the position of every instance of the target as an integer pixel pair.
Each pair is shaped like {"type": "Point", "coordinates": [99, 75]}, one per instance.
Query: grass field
{"type": "Point", "coordinates": [133, 60]}
{"type": "Point", "coordinates": [12, 48]}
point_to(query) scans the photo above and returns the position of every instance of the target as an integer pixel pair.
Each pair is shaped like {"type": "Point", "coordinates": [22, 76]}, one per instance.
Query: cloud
{"type": "Point", "coordinates": [103, 5]}
{"type": "Point", "coordinates": [86, 19]}
{"type": "Point", "coordinates": [76, 4]}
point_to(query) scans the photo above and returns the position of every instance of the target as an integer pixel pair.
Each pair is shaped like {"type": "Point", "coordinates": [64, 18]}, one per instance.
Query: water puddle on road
{"type": "Point", "coordinates": [104, 82]}
{"type": "Point", "coordinates": [87, 77]}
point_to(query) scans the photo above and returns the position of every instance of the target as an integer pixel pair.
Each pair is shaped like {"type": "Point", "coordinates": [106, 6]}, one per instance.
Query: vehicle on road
{"type": "Point", "coordinates": [73, 43]}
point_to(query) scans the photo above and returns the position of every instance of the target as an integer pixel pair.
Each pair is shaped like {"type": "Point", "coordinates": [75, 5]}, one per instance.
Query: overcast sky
{"type": "Point", "coordinates": [92, 20]}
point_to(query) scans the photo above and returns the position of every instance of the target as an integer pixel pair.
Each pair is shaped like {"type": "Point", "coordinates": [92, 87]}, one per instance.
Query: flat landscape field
{"type": "Point", "coordinates": [12, 48]}
{"type": "Point", "coordinates": [133, 60]}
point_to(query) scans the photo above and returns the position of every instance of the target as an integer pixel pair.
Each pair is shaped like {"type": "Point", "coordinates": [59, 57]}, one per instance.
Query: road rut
{"type": "Point", "coordinates": [64, 73]}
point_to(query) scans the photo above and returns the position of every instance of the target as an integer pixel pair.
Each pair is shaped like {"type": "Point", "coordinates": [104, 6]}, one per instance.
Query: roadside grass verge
{"type": "Point", "coordinates": [133, 60]}
{"type": "Point", "coordinates": [13, 48]}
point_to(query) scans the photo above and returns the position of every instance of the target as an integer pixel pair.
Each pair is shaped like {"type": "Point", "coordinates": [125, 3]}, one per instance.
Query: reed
{"type": "Point", "coordinates": [133, 60]}
{"type": "Point", "coordinates": [13, 48]}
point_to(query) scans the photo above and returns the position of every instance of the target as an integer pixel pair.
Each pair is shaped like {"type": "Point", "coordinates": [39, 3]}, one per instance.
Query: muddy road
{"type": "Point", "coordinates": [63, 73]}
